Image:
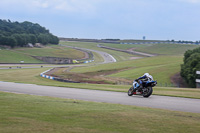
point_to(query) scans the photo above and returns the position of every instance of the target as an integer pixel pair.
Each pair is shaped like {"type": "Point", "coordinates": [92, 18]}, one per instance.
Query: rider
{"type": "Point", "coordinates": [146, 77]}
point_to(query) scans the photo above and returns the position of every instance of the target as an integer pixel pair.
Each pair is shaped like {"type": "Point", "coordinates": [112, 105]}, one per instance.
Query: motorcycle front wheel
{"type": "Point", "coordinates": [147, 92]}
{"type": "Point", "coordinates": [130, 92]}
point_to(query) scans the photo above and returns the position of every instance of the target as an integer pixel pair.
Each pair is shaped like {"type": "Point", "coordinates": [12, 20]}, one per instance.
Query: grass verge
{"type": "Point", "coordinates": [25, 113]}
{"type": "Point", "coordinates": [161, 67]}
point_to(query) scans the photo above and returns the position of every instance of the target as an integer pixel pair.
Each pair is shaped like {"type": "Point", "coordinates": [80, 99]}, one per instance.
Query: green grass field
{"type": "Point", "coordinates": [52, 50]}
{"type": "Point", "coordinates": [8, 56]}
{"type": "Point", "coordinates": [162, 49]}
{"type": "Point", "coordinates": [26, 113]}
{"type": "Point", "coordinates": [167, 49]}
{"type": "Point", "coordinates": [127, 46]}
{"type": "Point", "coordinates": [25, 54]}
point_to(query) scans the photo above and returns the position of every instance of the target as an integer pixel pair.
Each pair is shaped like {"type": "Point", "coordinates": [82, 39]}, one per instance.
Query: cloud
{"type": "Point", "coordinates": [191, 1]}
{"type": "Point", "coordinates": [75, 5]}
{"type": "Point", "coordinates": [40, 4]}
{"type": "Point", "coordinates": [80, 6]}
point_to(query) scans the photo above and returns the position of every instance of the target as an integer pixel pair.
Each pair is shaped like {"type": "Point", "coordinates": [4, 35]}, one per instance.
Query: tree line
{"type": "Point", "coordinates": [20, 34]}
{"type": "Point", "coordinates": [190, 66]}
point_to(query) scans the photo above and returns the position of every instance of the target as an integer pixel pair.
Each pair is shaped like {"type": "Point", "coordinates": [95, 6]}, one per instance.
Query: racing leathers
{"type": "Point", "coordinates": [146, 77]}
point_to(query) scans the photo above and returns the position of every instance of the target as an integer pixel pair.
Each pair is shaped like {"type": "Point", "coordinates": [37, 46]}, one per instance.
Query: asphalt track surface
{"type": "Point", "coordinates": [161, 102]}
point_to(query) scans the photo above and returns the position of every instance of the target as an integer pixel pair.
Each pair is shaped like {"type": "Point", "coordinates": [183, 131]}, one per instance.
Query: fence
{"type": "Point", "coordinates": [198, 80]}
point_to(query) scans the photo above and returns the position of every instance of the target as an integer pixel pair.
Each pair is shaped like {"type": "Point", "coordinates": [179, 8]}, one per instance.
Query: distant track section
{"type": "Point", "coordinates": [107, 57]}
{"type": "Point", "coordinates": [127, 51]}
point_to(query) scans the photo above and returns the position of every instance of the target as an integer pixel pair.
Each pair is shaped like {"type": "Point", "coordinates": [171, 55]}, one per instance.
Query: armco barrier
{"type": "Point", "coordinates": [55, 78]}
{"type": "Point", "coordinates": [46, 76]}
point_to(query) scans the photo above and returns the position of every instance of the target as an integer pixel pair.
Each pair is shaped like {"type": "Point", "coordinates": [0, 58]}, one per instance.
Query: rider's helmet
{"type": "Point", "coordinates": [146, 74]}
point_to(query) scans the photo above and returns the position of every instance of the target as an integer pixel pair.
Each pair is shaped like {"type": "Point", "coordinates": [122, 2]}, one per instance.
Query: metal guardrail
{"type": "Point", "coordinates": [43, 74]}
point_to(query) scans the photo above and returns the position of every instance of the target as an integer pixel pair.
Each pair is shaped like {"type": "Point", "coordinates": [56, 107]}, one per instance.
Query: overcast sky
{"type": "Point", "coordinates": [123, 19]}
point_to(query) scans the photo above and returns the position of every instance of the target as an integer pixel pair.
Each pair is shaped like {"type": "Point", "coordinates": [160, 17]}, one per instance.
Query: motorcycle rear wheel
{"type": "Point", "coordinates": [148, 92]}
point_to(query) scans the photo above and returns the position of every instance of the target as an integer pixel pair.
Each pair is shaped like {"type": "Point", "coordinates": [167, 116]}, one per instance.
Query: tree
{"type": "Point", "coordinates": [11, 41]}
{"type": "Point", "coordinates": [190, 66]}
{"type": "Point", "coordinates": [23, 33]}
{"type": "Point", "coordinates": [33, 38]}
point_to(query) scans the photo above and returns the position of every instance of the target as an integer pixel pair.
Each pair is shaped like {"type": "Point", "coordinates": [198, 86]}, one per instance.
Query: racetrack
{"type": "Point", "coordinates": [162, 102]}
{"type": "Point", "coordinates": [107, 59]}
